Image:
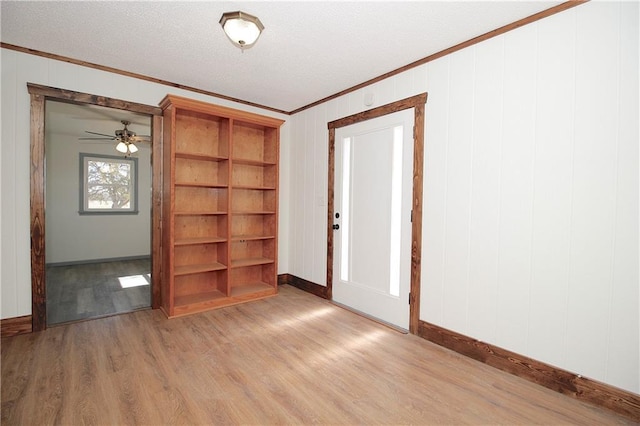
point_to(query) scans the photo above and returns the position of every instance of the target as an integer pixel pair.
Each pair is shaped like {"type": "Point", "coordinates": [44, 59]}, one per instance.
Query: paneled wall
{"type": "Point", "coordinates": [530, 226]}
{"type": "Point", "coordinates": [18, 69]}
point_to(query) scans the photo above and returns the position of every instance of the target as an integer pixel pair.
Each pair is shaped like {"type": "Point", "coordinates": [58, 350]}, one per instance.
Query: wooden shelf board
{"type": "Point", "coordinates": [236, 238]}
{"type": "Point", "coordinates": [195, 269]}
{"type": "Point", "coordinates": [192, 299]}
{"type": "Point", "coordinates": [255, 212]}
{"type": "Point", "coordinates": [250, 288]}
{"type": "Point", "coordinates": [204, 157]}
{"type": "Point", "coordinates": [201, 185]}
{"type": "Point", "coordinates": [253, 261]}
{"type": "Point", "coordinates": [186, 305]}
{"type": "Point", "coordinates": [263, 188]}
{"type": "Point", "coordinates": [199, 240]}
{"type": "Point", "coordinates": [199, 213]}
{"type": "Point", "coordinates": [253, 162]}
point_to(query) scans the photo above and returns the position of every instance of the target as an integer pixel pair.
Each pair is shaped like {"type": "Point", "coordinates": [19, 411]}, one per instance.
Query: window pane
{"type": "Point", "coordinates": [109, 172]}
{"type": "Point", "coordinates": [396, 212]}
{"type": "Point", "coordinates": [346, 214]}
{"type": "Point", "coordinates": [109, 197]}
{"type": "Point", "coordinates": [109, 184]}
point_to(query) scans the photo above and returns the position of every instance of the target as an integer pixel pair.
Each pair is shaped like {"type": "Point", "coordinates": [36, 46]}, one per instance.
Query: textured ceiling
{"type": "Point", "coordinates": [308, 51]}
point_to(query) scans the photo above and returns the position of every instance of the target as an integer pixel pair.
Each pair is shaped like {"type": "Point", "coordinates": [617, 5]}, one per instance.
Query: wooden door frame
{"type": "Point", "coordinates": [418, 104]}
{"type": "Point", "coordinates": [39, 95]}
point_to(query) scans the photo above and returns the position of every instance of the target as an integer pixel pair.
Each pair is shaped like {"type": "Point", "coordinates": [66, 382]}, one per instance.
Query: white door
{"type": "Point", "coordinates": [372, 221]}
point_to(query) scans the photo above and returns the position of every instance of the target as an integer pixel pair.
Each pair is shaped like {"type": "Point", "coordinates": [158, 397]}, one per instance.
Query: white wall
{"type": "Point", "coordinates": [18, 69]}
{"type": "Point", "coordinates": [530, 226]}
{"type": "Point", "coordinates": [72, 237]}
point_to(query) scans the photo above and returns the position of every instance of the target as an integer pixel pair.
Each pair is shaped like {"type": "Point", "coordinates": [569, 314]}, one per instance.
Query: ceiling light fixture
{"type": "Point", "coordinates": [242, 29]}
{"type": "Point", "coordinates": [126, 148]}
{"type": "Point", "coordinates": [125, 138]}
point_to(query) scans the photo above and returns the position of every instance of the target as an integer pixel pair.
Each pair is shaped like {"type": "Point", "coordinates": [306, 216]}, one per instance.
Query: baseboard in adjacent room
{"type": "Point", "coordinates": [109, 259]}
{"type": "Point", "coordinates": [15, 326]}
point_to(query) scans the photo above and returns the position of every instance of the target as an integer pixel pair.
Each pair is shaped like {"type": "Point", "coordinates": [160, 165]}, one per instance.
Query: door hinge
{"type": "Point", "coordinates": [409, 301]}
{"type": "Point", "coordinates": [411, 215]}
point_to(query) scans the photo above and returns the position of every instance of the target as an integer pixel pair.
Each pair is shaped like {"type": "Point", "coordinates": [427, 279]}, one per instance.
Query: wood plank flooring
{"type": "Point", "coordinates": [290, 359]}
{"type": "Point", "coordinates": [76, 292]}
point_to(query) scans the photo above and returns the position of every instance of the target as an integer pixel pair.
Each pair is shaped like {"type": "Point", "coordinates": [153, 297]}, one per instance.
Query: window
{"type": "Point", "coordinates": [108, 184]}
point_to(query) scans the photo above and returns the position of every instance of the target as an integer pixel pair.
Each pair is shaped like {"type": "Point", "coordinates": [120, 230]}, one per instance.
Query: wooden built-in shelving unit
{"type": "Point", "coordinates": [220, 211]}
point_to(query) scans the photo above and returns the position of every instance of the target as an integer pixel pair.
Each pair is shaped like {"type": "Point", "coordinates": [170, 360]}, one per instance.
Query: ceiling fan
{"type": "Point", "coordinates": [125, 137]}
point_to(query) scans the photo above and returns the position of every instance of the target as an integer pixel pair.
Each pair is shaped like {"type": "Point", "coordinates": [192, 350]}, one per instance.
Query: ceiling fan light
{"type": "Point", "coordinates": [132, 148]}
{"type": "Point", "coordinates": [122, 147]}
{"type": "Point", "coordinates": [241, 28]}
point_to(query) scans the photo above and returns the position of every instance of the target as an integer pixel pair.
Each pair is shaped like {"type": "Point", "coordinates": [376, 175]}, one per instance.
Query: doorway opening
{"type": "Point", "coordinates": [38, 128]}
{"type": "Point", "coordinates": [98, 213]}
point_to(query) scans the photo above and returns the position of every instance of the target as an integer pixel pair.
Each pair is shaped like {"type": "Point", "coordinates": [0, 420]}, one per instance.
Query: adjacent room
{"type": "Point", "coordinates": [367, 212]}
{"type": "Point", "coordinates": [98, 219]}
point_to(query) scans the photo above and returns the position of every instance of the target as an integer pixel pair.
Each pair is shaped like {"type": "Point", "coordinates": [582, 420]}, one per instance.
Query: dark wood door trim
{"type": "Point", "coordinates": [418, 104]}
{"type": "Point", "coordinates": [38, 291]}
{"type": "Point", "coordinates": [39, 94]}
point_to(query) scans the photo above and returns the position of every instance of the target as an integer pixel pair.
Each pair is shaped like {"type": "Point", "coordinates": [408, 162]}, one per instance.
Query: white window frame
{"type": "Point", "coordinates": [85, 158]}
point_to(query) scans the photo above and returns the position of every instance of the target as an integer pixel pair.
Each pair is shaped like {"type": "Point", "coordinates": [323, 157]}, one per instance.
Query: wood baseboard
{"type": "Point", "coordinates": [15, 326]}
{"type": "Point", "coordinates": [302, 284]}
{"type": "Point", "coordinates": [100, 260]}
{"type": "Point", "coordinates": [567, 383]}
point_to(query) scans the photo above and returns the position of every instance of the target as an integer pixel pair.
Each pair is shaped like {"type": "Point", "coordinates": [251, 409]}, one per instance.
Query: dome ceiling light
{"type": "Point", "coordinates": [242, 29]}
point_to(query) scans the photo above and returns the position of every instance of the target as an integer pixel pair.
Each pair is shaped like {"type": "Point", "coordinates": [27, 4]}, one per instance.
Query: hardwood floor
{"type": "Point", "coordinates": [76, 292]}
{"type": "Point", "coordinates": [290, 359]}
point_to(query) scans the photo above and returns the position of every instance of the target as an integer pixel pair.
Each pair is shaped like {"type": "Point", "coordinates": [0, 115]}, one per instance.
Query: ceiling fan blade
{"type": "Point", "coordinates": [96, 139]}
{"type": "Point", "coordinates": [101, 134]}
{"type": "Point", "coordinates": [141, 138]}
